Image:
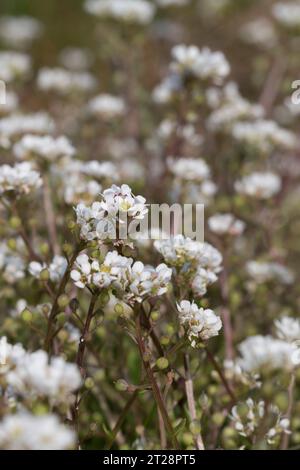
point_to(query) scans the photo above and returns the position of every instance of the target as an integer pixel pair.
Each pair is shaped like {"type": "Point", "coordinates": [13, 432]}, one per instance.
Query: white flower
{"type": "Point", "coordinates": [78, 190]}
{"type": "Point", "coordinates": [170, 3]}
{"type": "Point", "coordinates": [106, 106]}
{"type": "Point", "coordinates": [263, 353]}
{"type": "Point", "coordinates": [19, 178]}
{"type": "Point", "coordinates": [202, 324]}
{"type": "Point", "coordinates": [263, 272]}
{"type": "Point", "coordinates": [56, 268]}
{"type": "Point", "coordinates": [10, 355]}
{"type": "Point", "coordinates": [288, 329]}
{"type": "Point", "coordinates": [202, 64]}
{"type": "Point", "coordinates": [287, 14]}
{"type": "Point", "coordinates": [259, 185]}
{"type": "Point", "coordinates": [222, 224]}
{"type": "Point", "coordinates": [14, 65]}
{"type": "Point", "coordinates": [259, 32]}
{"type": "Point", "coordinates": [137, 11]}
{"type": "Point", "coordinates": [250, 421]}
{"type": "Point", "coordinates": [19, 31]}
{"type": "Point", "coordinates": [64, 81]}
{"type": "Point", "coordinates": [18, 124]}
{"type": "Point", "coordinates": [45, 147]}
{"type": "Point", "coordinates": [100, 170]}
{"type": "Point", "coordinates": [263, 135]}
{"type": "Point", "coordinates": [24, 431]}
{"type": "Point", "coordinates": [74, 58]}
{"type": "Point", "coordinates": [189, 168]}
{"type": "Point", "coordinates": [100, 220]}
{"type": "Point", "coordinates": [35, 376]}
{"type": "Point", "coordinates": [10, 105]}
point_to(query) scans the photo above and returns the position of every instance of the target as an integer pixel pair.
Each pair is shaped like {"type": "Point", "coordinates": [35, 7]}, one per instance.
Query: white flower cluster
{"type": "Point", "coordinates": [263, 135]}
{"type": "Point", "coordinates": [12, 265]}
{"type": "Point", "coordinates": [106, 107]}
{"type": "Point", "coordinates": [133, 280]}
{"type": "Point", "coordinates": [34, 376]}
{"type": "Point", "coordinates": [247, 418]}
{"type": "Point", "coordinates": [64, 81]}
{"type": "Point", "coordinates": [19, 31]}
{"type": "Point", "coordinates": [136, 11]}
{"type": "Point", "coordinates": [18, 124]}
{"type": "Point", "coordinates": [259, 32]}
{"type": "Point", "coordinates": [287, 14]}
{"type": "Point", "coordinates": [269, 271]}
{"type": "Point", "coordinates": [191, 169]}
{"type": "Point", "coordinates": [100, 220]}
{"type": "Point", "coordinates": [100, 170]}
{"type": "Point", "coordinates": [169, 128]}
{"type": "Point", "coordinates": [20, 178]}
{"type": "Point", "coordinates": [11, 103]}
{"type": "Point", "coordinates": [265, 353]}
{"type": "Point", "coordinates": [261, 185]}
{"type": "Point", "coordinates": [24, 431]}
{"type": "Point", "coordinates": [223, 224]}
{"type": "Point", "coordinates": [201, 324]}
{"type": "Point", "coordinates": [45, 147]}
{"type": "Point", "coordinates": [229, 107]}
{"type": "Point", "coordinates": [14, 65]}
{"type": "Point", "coordinates": [199, 262]}
{"type": "Point", "coordinates": [202, 64]}
{"type": "Point", "coordinates": [75, 58]}
{"type": "Point", "coordinates": [288, 329]}
{"type": "Point", "coordinates": [56, 268]}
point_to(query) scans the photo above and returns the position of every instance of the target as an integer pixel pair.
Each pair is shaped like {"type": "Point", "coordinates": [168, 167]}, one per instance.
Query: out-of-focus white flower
{"type": "Point", "coordinates": [106, 106]}
{"type": "Point", "coordinates": [189, 168]}
{"type": "Point", "coordinates": [20, 178]}
{"type": "Point", "coordinates": [64, 81]}
{"type": "Point", "coordinates": [10, 355]}
{"type": "Point", "coordinates": [263, 135]}
{"type": "Point", "coordinates": [56, 268]}
{"type": "Point", "coordinates": [259, 32]}
{"type": "Point", "coordinates": [77, 190]}
{"type": "Point", "coordinates": [12, 265]}
{"type": "Point", "coordinates": [45, 147]}
{"type": "Point", "coordinates": [169, 128]}
{"type": "Point", "coordinates": [202, 324]}
{"type": "Point", "coordinates": [264, 353]}
{"type": "Point", "coordinates": [259, 185]}
{"type": "Point", "coordinates": [75, 58]}
{"type": "Point", "coordinates": [263, 272]}
{"type": "Point", "coordinates": [100, 170]}
{"type": "Point", "coordinates": [14, 65]}
{"type": "Point", "coordinates": [287, 14]}
{"type": "Point", "coordinates": [10, 105]}
{"type": "Point", "coordinates": [24, 431]}
{"type": "Point", "coordinates": [100, 220]}
{"type": "Point", "coordinates": [170, 3]}
{"type": "Point", "coordinates": [19, 31]}
{"type": "Point", "coordinates": [18, 124]}
{"type": "Point", "coordinates": [229, 107]}
{"type": "Point", "coordinates": [136, 11]}
{"type": "Point", "coordinates": [202, 64]}
{"type": "Point", "coordinates": [288, 329]}
{"type": "Point", "coordinates": [35, 376]}
{"type": "Point", "coordinates": [226, 224]}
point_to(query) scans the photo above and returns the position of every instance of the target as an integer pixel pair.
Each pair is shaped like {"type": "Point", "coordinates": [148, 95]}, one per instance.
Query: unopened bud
{"type": "Point", "coordinates": [44, 275]}
{"type": "Point", "coordinates": [121, 385]}
{"type": "Point", "coordinates": [162, 363]}
{"type": "Point", "coordinates": [63, 301]}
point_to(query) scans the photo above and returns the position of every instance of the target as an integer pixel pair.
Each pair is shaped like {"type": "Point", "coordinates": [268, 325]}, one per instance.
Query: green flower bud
{"type": "Point", "coordinates": [63, 301]}
{"type": "Point", "coordinates": [217, 418]}
{"type": "Point", "coordinates": [44, 248]}
{"type": "Point", "coordinates": [26, 315]}
{"type": "Point", "coordinates": [155, 315]}
{"type": "Point", "coordinates": [119, 309]}
{"type": "Point", "coordinates": [165, 340]}
{"type": "Point", "coordinates": [44, 275]}
{"type": "Point", "coordinates": [89, 383]}
{"type": "Point", "coordinates": [162, 363]}
{"type": "Point", "coordinates": [71, 225]}
{"type": "Point", "coordinates": [121, 385]}
{"type": "Point", "coordinates": [12, 244]}
{"type": "Point", "coordinates": [195, 428]}
{"type": "Point", "coordinates": [61, 318]}
{"type": "Point", "coordinates": [15, 223]}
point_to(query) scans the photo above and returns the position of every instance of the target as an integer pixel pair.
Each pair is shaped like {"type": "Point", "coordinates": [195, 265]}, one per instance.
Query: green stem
{"type": "Point", "coordinates": [122, 418]}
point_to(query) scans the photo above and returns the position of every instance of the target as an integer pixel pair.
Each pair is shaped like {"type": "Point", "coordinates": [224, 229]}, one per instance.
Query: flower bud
{"type": "Point", "coordinates": [162, 363]}
{"type": "Point", "coordinates": [15, 222]}
{"type": "Point", "coordinates": [26, 315]}
{"type": "Point", "coordinates": [63, 301]}
{"type": "Point", "coordinates": [154, 315]}
{"type": "Point", "coordinates": [44, 275]}
{"type": "Point", "coordinates": [121, 385]}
